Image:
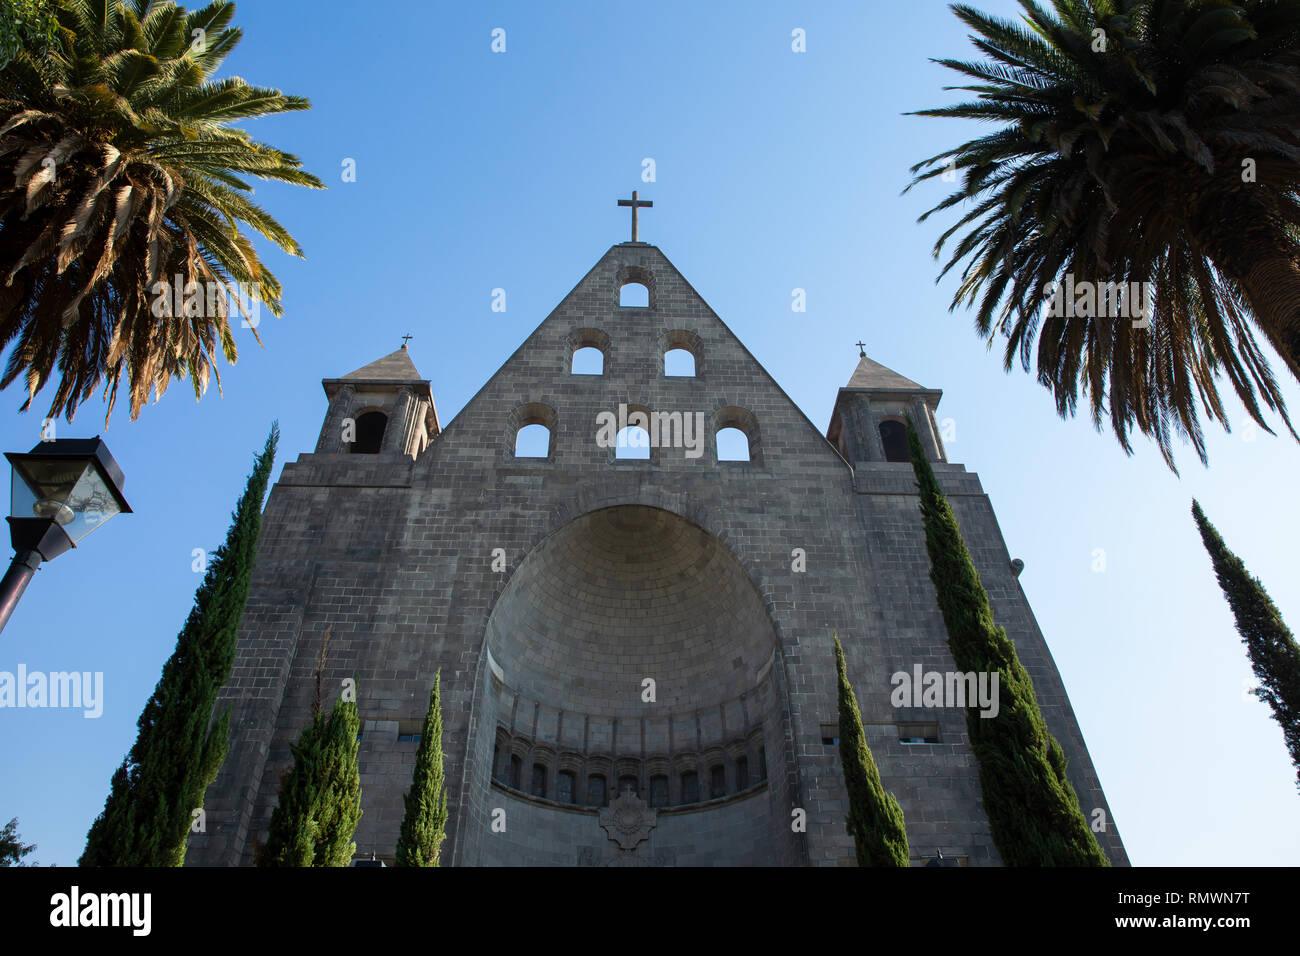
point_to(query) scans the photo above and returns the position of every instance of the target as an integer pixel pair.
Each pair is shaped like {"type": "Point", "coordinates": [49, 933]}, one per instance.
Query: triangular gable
{"type": "Point", "coordinates": [728, 373]}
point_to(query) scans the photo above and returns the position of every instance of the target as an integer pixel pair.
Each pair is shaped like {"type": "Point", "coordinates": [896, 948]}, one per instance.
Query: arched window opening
{"type": "Point", "coordinates": [733, 445]}
{"type": "Point", "coordinates": [634, 295]}
{"type": "Point", "coordinates": [636, 287]}
{"type": "Point", "coordinates": [717, 782]}
{"type": "Point", "coordinates": [539, 780]}
{"type": "Point", "coordinates": [564, 787]}
{"type": "Point", "coordinates": [369, 435]}
{"type": "Point", "coordinates": [516, 769]}
{"type": "Point", "coordinates": [595, 791]}
{"type": "Point", "coordinates": [742, 773]}
{"type": "Point", "coordinates": [632, 442]}
{"type": "Point", "coordinates": [893, 435]}
{"type": "Point", "coordinates": [627, 783]}
{"type": "Point", "coordinates": [659, 791]}
{"type": "Point", "coordinates": [679, 363]}
{"type": "Point", "coordinates": [690, 787]}
{"type": "Point", "coordinates": [762, 763]}
{"type": "Point", "coordinates": [588, 361]}
{"type": "Point", "coordinates": [533, 441]}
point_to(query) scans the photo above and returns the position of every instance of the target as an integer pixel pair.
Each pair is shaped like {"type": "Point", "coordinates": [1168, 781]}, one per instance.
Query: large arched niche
{"type": "Point", "coordinates": [612, 598]}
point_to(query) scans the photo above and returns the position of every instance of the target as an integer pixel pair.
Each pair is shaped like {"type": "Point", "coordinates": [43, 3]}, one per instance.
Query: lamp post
{"type": "Point", "coordinates": [62, 490]}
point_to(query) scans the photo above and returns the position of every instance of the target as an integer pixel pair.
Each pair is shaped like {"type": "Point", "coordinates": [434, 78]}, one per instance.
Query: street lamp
{"type": "Point", "coordinates": [62, 490]}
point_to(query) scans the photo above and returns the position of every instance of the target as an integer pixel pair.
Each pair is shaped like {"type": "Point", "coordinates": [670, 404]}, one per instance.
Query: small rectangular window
{"type": "Point", "coordinates": [409, 738]}
{"type": "Point", "coordinates": [918, 733]}
{"type": "Point", "coordinates": [830, 735]}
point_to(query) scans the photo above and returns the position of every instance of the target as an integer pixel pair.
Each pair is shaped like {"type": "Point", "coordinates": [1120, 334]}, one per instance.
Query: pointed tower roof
{"type": "Point", "coordinates": [394, 367]}
{"type": "Point", "coordinates": [873, 375]}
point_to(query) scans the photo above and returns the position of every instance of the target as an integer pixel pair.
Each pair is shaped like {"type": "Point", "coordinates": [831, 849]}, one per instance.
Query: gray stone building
{"type": "Point", "coordinates": [636, 652]}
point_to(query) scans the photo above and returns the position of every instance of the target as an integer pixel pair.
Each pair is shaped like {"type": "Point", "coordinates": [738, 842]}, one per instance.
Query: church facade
{"type": "Point", "coordinates": [635, 652]}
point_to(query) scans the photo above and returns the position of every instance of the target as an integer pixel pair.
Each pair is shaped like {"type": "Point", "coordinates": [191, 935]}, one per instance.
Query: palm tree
{"type": "Point", "coordinates": [24, 23]}
{"type": "Point", "coordinates": [122, 177]}
{"type": "Point", "coordinates": [1138, 141]}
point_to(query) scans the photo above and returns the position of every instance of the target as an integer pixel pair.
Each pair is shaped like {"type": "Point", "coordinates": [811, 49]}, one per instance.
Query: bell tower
{"type": "Point", "coordinates": [384, 408]}
{"type": "Point", "coordinates": [869, 423]}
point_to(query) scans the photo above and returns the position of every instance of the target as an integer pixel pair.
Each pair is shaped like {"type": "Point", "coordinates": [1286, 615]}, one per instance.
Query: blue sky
{"type": "Point", "coordinates": [774, 170]}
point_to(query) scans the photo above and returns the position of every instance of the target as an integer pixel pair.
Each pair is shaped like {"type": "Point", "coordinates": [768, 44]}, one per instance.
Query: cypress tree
{"type": "Point", "coordinates": [320, 798]}
{"type": "Point", "coordinates": [1274, 655]}
{"type": "Point", "coordinates": [179, 749]}
{"type": "Point", "coordinates": [875, 820]}
{"type": "Point", "coordinates": [425, 821]}
{"type": "Point", "coordinates": [1033, 812]}
{"type": "Point", "coordinates": [340, 787]}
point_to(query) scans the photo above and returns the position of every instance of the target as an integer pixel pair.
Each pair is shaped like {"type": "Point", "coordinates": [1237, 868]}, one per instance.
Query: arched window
{"type": "Point", "coordinates": [632, 442]}
{"type": "Point", "coordinates": [564, 787]}
{"type": "Point", "coordinates": [893, 435]}
{"type": "Point", "coordinates": [680, 363]}
{"type": "Point", "coordinates": [762, 763]}
{"type": "Point", "coordinates": [588, 350]}
{"type": "Point", "coordinates": [595, 791]}
{"type": "Point", "coordinates": [733, 445]}
{"type": "Point", "coordinates": [516, 769]}
{"type": "Point", "coordinates": [627, 783]}
{"type": "Point", "coordinates": [539, 780]}
{"type": "Point", "coordinates": [588, 361]}
{"type": "Point", "coordinates": [533, 426]}
{"type": "Point", "coordinates": [634, 295]}
{"type": "Point", "coordinates": [533, 441]}
{"type": "Point", "coordinates": [682, 349]}
{"type": "Point", "coordinates": [742, 773]}
{"type": "Point", "coordinates": [369, 434]}
{"type": "Point", "coordinates": [659, 791]}
{"type": "Point", "coordinates": [690, 787]}
{"type": "Point", "coordinates": [496, 763]}
{"type": "Point", "coordinates": [717, 782]}
{"type": "Point", "coordinates": [636, 287]}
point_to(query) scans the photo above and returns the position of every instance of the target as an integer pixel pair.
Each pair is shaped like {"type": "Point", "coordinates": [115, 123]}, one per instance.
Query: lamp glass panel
{"type": "Point", "coordinates": [71, 491]}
